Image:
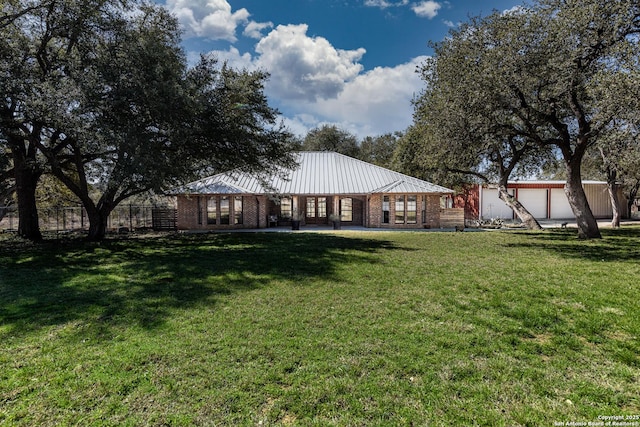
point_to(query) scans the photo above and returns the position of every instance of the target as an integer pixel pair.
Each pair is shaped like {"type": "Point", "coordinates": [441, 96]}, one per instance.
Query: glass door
{"type": "Point", "coordinates": [316, 210]}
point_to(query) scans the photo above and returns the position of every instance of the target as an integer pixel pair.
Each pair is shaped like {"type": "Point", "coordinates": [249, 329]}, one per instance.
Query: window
{"type": "Point", "coordinates": [286, 208]}
{"type": "Point", "coordinates": [199, 211]}
{"type": "Point", "coordinates": [237, 210]}
{"type": "Point", "coordinates": [385, 209]}
{"type": "Point", "coordinates": [224, 210]}
{"type": "Point", "coordinates": [412, 209]}
{"type": "Point", "coordinates": [311, 207]}
{"type": "Point", "coordinates": [399, 209]}
{"type": "Point", "coordinates": [424, 209]}
{"type": "Point", "coordinates": [446, 202]}
{"type": "Point", "coordinates": [346, 209]}
{"type": "Point", "coordinates": [212, 210]}
{"type": "Point", "coordinates": [322, 207]}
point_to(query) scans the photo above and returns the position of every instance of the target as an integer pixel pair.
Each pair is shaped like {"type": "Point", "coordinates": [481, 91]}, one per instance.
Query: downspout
{"type": "Point", "coordinates": [258, 212]}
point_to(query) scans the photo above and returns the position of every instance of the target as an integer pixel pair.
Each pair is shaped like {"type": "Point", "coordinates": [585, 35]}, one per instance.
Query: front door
{"type": "Point", "coordinates": [316, 210]}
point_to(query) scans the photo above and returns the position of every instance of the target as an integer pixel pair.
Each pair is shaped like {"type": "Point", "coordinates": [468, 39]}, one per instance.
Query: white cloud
{"type": "Point", "coordinates": [383, 4]}
{"type": "Point", "coordinates": [315, 83]}
{"type": "Point", "coordinates": [235, 60]}
{"type": "Point", "coordinates": [375, 102]}
{"type": "Point", "coordinates": [426, 9]}
{"type": "Point", "coordinates": [211, 19]}
{"type": "Point", "coordinates": [371, 103]}
{"type": "Point", "coordinates": [304, 67]}
{"type": "Point", "coordinates": [301, 124]}
{"type": "Point", "coordinates": [254, 29]}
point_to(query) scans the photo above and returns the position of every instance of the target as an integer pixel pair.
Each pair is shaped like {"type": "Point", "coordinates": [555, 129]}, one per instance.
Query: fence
{"type": "Point", "coordinates": [74, 218]}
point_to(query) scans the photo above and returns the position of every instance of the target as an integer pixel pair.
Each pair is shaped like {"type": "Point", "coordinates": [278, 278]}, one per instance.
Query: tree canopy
{"type": "Point", "coordinates": [331, 138]}
{"type": "Point", "coordinates": [378, 150]}
{"type": "Point", "coordinates": [505, 89]}
{"type": "Point", "coordinates": [99, 93]}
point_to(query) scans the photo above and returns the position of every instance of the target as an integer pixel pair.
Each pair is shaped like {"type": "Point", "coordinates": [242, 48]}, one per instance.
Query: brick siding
{"type": "Point", "coordinates": [257, 208]}
{"type": "Point", "coordinates": [254, 213]}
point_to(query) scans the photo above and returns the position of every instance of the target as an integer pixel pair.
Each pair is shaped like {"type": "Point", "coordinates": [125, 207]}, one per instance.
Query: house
{"type": "Point", "coordinates": [543, 199]}
{"type": "Point", "coordinates": [323, 184]}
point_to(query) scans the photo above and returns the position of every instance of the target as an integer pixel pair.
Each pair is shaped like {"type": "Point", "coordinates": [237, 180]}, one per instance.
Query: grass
{"type": "Point", "coordinates": [345, 328]}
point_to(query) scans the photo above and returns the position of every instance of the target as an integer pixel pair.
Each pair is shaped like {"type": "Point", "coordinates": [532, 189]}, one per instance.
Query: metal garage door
{"type": "Point", "coordinates": [493, 207]}
{"type": "Point", "coordinates": [560, 207]}
{"type": "Point", "coordinates": [535, 200]}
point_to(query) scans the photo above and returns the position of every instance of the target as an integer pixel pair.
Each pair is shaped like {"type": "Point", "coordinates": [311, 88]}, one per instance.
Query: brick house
{"type": "Point", "coordinates": [323, 184]}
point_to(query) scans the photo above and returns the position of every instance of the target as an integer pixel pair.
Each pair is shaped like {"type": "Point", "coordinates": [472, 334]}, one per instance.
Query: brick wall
{"type": "Point", "coordinates": [375, 211]}
{"type": "Point", "coordinates": [192, 213]}
{"type": "Point", "coordinates": [256, 210]}
{"type": "Point", "coordinates": [432, 212]}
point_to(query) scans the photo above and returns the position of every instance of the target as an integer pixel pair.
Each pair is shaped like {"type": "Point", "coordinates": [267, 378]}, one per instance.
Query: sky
{"type": "Point", "coordinates": [349, 63]}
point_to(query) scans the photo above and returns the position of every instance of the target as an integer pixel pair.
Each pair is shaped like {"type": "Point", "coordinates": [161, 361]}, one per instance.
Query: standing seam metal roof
{"type": "Point", "coordinates": [317, 173]}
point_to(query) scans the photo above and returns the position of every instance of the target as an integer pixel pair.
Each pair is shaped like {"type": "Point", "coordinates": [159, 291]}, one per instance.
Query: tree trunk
{"type": "Point", "coordinates": [27, 174]}
{"type": "Point", "coordinates": [525, 216]}
{"type": "Point", "coordinates": [97, 223]}
{"type": "Point", "coordinates": [612, 188]}
{"type": "Point", "coordinates": [587, 224]}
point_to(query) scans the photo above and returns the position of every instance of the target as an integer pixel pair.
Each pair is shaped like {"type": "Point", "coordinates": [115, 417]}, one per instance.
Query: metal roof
{"type": "Point", "coordinates": [317, 173]}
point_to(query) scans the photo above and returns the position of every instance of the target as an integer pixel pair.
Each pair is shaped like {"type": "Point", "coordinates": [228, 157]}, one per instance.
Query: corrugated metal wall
{"type": "Point", "coordinates": [535, 198]}
{"type": "Point", "coordinates": [599, 201]}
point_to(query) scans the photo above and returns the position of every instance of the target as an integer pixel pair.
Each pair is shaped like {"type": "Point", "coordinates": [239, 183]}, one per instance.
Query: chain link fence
{"type": "Point", "coordinates": [74, 219]}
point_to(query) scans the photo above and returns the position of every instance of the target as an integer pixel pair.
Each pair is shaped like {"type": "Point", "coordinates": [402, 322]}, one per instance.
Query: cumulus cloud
{"type": "Point", "coordinates": [235, 59]}
{"type": "Point", "coordinates": [304, 67]}
{"type": "Point", "coordinates": [372, 103]}
{"type": "Point", "coordinates": [375, 102]}
{"type": "Point", "coordinates": [426, 9]}
{"type": "Point", "coordinates": [254, 29]}
{"type": "Point", "coordinates": [311, 81]}
{"type": "Point", "coordinates": [214, 19]}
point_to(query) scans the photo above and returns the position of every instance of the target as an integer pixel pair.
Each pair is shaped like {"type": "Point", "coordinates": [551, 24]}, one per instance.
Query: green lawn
{"type": "Point", "coordinates": [345, 328]}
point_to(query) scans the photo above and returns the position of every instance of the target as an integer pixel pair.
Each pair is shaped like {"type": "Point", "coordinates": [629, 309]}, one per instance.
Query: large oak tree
{"type": "Point", "coordinates": [548, 75]}
{"type": "Point", "coordinates": [102, 92]}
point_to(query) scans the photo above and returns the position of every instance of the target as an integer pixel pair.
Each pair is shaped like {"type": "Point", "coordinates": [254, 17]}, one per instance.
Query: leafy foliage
{"type": "Point", "coordinates": [379, 150]}
{"type": "Point", "coordinates": [102, 90]}
{"type": "Point", "coordinates": [504, 89]}
{"type": "Point", "coordinates": [331, 138]}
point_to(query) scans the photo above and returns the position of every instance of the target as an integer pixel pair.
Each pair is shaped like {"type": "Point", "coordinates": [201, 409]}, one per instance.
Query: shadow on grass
{"type": "Point", "coordinates": [140, 281]}
{"type": "Point", "coordinates": [616, 245]}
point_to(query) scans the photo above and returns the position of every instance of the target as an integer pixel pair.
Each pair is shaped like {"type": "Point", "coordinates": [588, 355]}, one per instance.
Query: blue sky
{"type": "Point", "coordinates": [345, 62]}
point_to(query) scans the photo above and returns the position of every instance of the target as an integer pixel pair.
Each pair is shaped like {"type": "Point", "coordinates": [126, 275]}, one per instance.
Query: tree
{"type": "Point", "coordinates": [617, 160]}
{"type": "Point", "coordinates": [331, 138]}
{"type": "Point", "coordinates": [118, 112]}
{"type": "Point", "coordinates": [410, 157]}
{"type": "Point", "coordinates": [20, 81]}
{"type": "Point", "coordinates": [468, 129]}
{"type": "Point", "coordinates": [379, 150]}
{"type": "Point", "coordinates": [544, 68]}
